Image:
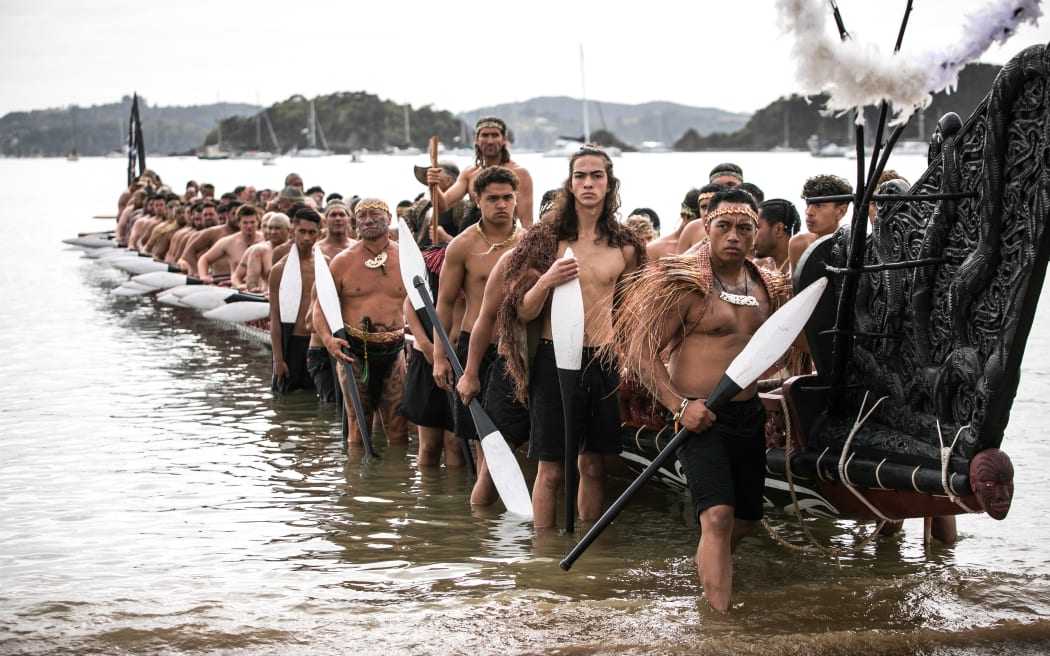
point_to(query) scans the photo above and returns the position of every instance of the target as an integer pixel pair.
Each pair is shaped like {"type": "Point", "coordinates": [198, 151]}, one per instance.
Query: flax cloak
{"type": "Point", "coordinates": [653, 294]}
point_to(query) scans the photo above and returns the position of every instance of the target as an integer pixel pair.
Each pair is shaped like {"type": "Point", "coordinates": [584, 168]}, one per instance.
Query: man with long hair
{"type": "Point", "coordinates": [583, 217]}
{"type": "Point", "coordinates": [490, 149]}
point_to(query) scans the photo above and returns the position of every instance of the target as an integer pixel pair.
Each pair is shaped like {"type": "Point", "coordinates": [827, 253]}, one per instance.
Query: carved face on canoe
{"type": "Point", "coordinates": [992, 480]}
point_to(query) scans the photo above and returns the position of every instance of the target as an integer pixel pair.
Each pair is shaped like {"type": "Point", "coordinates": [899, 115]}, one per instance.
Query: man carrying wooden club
{"type": "Point", "coordinates": [704, 307]}
{"type": "Point", "coordinates": [490, 149]}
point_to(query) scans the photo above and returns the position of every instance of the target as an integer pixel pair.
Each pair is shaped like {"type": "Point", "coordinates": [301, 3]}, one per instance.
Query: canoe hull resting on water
{"type": "Point", "coordinates": [913, 426]}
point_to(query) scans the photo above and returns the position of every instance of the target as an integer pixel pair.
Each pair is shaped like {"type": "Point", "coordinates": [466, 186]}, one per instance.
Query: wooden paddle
{"type": "Point", "coordinates": [434, 191]}
{"type": "Point", "coordinates": [567, 330]}
{"type": "Point", "coordinates": [328, 299]}
{"type": "Point", "coordinates": [412, 265]}
{"type": "Point", "coordinates": [506, 474]}
{"type": "Point", "coordinates": [763, 349]}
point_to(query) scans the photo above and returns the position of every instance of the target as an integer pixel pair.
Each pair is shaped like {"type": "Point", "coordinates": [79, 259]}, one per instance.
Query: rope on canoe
{"type": "Point", "coordinates": [814, 545]}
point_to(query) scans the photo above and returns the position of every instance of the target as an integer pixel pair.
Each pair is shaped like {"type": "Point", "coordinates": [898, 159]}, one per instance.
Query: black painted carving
{"type": "Point", "coordinates": [952, 335]}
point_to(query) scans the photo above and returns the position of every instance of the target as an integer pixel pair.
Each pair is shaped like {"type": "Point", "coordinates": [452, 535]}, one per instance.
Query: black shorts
{"type": "Point", "coordinates": [463, 420]}
{"type": "Point", "coordinates": [596, 407]}
{"type": "Point", "coordinates": [319, 364]}
{"type": "Point", "coordinates": [510, 416]}
{"type": "Point", "coordinates": [425, 404]}
{"type": "Point", "coordinates": [295, 348]}
{"type": "Point", "coordinates": [726, 464]}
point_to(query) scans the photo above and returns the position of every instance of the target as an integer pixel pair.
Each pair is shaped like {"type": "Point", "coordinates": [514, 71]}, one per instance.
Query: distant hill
{"type": "Point", "coordinates": [538, 122]}
{"type": "Point", "coordinates": [101, 129]}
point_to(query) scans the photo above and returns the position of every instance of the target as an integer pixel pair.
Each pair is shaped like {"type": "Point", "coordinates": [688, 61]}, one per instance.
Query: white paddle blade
{"type": "Point", "coordinates": [116, 254]}
{"type": "Point", "coordinates": [291, 287]}
{"type": "Point", "coordinates": [774, 337]}
{"type": "Point", "coordinates": [91, 241]}
{"type": "Point", "coordinates": [97, 253]}
{"type": "Point", "coordinates": [327, 295]}
{"type": "Point", "coordinates": [207, 298]}
{"type": "Point", "coordinates": [240, 311]}
{"type": "Point", "coordinates": [132, 289]}
{"type": "Point", "coordinates": [412, 264]}
{"type": "Point", "coordinates": [506, 474]}
{"type": "Point", "coordinates": [141, 265]}
{"type": "Point", "coordinates": [168, 298]}
{"type": "Point", "coordinates": [160, 279]}
{"type": "Point", "coordinates": [567, 323]}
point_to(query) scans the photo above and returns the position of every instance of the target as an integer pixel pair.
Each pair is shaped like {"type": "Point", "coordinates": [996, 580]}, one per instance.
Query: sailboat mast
{"type": "Point", "coordinates": [273, 135]}
{"type": "Point", "coordinates": [311, 128]}
{"type": "Point", "coordinates": [583, 91]}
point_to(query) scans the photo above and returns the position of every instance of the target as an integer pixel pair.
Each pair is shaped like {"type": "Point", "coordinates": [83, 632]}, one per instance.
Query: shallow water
{"type": "Point", "coordinates": [155, 497]}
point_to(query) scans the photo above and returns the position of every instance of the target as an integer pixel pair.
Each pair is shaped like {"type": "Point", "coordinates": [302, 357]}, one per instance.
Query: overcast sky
{"type": "Point", "coordinates": [455, 55]}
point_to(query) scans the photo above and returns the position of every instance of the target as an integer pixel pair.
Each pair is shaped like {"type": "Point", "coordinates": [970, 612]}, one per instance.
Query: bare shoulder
{"type": "Point", "coordinates": [345, 257]}
{"type": "Point", "coordinates": [468, 174]}
{"type": "Point", "coordinates": [519, 170]}
{"type": "Point", "coordinates": [460, 246]}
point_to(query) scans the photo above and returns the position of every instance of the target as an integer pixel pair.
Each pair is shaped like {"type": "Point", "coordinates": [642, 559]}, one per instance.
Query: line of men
{"type": "Point", "coordinates": [674, 323]}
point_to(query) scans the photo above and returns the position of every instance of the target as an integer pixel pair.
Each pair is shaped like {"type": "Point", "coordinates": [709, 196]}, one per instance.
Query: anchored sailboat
{"type": "Point", "coordinates": [313, 134]}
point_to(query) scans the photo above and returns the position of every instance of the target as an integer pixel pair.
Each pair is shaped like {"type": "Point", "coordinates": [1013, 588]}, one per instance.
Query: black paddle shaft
{"type": "Point", "coordinates": [567, 380]}
{"type": "Point", "coordinates": [725, 389]}
{"type": "Point", "coordinates": [482, 422]}
{"type": "Point", "coordinates": [355, 397]}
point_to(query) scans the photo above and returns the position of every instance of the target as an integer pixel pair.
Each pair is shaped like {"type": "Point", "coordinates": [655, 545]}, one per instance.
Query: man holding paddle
{"type": "Point", "coordinates": [704, 308]}
{"type": "Point", "coordinates": [604, 250]}
{"type": "Point", "coordinates": [371, 300]}
{"type": "Point", "coordinates": [469, 260]}
{"type": "Point", "coordinates": [290, 282]}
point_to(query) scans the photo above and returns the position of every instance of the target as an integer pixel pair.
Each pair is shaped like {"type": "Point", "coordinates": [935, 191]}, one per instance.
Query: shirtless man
{"type": "Point", "coordinates": [253, 271]}
{"type": "Point", "coordinates": [694, 233]}
{"type": "Point", "coordinates": [727, 174]}
{"type": "Point", "coordinates": [821, 218]}
{"type": "Point", "coordinates": [153, 214]}
{"type": "Point", "coordinates": [371, 297]}
{"type": "Point", "coordinates": [337, 221]}
{"type": "Point", "coordinates": [211, 231]}
{"type": "Point", "coordinates": [159, 238]}
{"type": "Point", "coordinates": [490, 149]}
{"type": "Point", "coordinates": [777, 221]}
{"type": "Point", "coordinates": [318, 362]}
{"type": "Point", "coordinates": [289, 330]}
{"type": "Point", "coordinates": [706, 317]}
{"type": "Point", "coordinates": [294, 180]}
{"type": "Point", "coordinates": [193, 226]}
{"type": "Point", "coordinates": [584, 218]}
{"type": "Point", "coordinates": [469, 259]}
{"type": "Point", "coordinates": [224, 255]}
{"type": "Point", "coordinates": [129, 214]}
{"type": "Point", "coordinates": [510, 416]}
{"type": "Point", "coordinates": [668, 244]}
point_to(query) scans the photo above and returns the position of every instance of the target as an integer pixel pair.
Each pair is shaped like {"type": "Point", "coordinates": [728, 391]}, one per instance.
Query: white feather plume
{"type": "Point", "coordinates": [855, 74]}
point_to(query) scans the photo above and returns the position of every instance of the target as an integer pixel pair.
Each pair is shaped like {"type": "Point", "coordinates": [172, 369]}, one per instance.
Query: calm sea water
{"type": "Point", "coordinates": [155, 497]}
